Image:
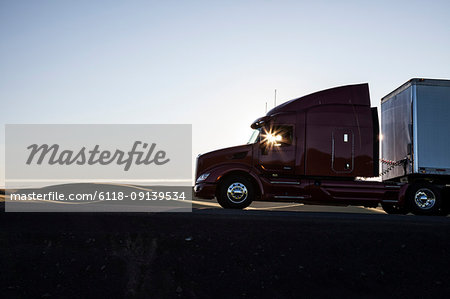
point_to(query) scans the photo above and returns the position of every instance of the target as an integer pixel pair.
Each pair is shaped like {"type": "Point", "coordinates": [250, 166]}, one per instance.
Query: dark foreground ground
{"type": "Point", "coordinates": [219, 253]}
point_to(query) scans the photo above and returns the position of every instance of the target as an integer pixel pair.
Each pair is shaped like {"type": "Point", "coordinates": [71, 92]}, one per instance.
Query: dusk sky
{"type": "Point", "coordinates": [212, 64]}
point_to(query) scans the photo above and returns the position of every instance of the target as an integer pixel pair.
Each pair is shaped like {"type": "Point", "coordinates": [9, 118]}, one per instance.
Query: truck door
{"type": "Point", "coordinates": [277, 149]}
{"type": "Point", "coordinates": [342, 150]}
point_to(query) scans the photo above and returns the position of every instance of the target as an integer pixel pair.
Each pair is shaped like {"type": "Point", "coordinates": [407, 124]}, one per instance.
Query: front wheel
{"type": "Point", "coordinates": [424, 199]}
{"type": "Point", "coordinates": [235, 193]}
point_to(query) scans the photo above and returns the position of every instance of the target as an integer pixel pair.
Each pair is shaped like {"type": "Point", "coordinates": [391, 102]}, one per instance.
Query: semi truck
{"type": "Point", "coordinates": [324, 148]}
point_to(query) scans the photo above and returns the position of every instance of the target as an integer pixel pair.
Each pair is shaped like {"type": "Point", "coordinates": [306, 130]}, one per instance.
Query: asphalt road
{"type": "Point", "coordinates": [270, 250]}
{"type": "Point", "coordinates": [202, 204]}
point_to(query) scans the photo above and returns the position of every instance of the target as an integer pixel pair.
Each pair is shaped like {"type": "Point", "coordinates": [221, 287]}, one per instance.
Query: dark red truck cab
{"type": "Point", "coordinates": [317, 149]}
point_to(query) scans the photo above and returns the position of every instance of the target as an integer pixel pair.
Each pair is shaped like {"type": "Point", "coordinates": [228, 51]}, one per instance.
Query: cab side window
{"type": "Point", "coordinates": [278, 135]}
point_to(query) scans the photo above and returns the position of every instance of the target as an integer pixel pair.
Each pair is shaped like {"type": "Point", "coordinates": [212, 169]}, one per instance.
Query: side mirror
{"type": "Point", "coordinates": [260, 122]}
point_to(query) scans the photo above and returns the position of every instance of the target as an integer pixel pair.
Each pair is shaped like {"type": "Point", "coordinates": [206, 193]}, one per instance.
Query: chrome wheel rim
{"type": "Point", "coordinates": [425, 198]}
{"type": "Point", "coordinates": [237, 192]}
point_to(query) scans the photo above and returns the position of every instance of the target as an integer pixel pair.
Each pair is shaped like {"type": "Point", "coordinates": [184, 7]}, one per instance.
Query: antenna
{"type": "Point", "coordinates": [275, 100]}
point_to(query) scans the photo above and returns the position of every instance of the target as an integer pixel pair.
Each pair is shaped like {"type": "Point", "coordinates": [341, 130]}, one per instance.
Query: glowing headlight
{"type": "Point", "coordinates": [202, 177]}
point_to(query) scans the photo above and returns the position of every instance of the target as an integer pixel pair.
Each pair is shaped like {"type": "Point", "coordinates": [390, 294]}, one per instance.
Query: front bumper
{"type": "Point", "coordinates": [205, 190]}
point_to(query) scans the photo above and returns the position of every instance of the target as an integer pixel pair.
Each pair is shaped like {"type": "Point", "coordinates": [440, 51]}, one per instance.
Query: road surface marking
{"type": "Point", "coordinates": [376, 210]}
{"type": "Point", "coordinates": [211, 204]}
{"type": "Point", "coordinates": [204, 203]}
{"type": "Point", "coordinates": [276, 207]}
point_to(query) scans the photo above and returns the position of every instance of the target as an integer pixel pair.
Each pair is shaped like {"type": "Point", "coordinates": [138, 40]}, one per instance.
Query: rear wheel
{"type": "Point", "coordinates": [235, 192]}
{"type": "Point", "coordinates": [445, 207]}
{"type": "Point", "coordinates": [424, 199]}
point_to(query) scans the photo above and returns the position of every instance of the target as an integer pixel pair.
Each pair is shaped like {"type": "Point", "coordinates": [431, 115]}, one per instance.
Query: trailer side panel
{"type": "Point", "coordinates": [432, 129]}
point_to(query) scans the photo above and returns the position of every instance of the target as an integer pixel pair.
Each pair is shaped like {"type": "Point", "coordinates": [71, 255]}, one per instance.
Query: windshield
{"type": "Point", "coordinates": [254, 137]}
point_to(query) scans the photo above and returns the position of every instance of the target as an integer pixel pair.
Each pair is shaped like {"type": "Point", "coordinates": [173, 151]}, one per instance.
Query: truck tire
{"type": "Point", "coordinates": [445, 206]}
{"type": "Point", "coordinates": [235, 192]}
{"type": "Point", "coordinates": [394, 210]}
{"type": "Point", "coordinates": [424, 199]}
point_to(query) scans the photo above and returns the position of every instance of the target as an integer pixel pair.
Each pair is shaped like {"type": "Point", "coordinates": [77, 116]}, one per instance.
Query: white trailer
{"type": "Point", "coordinates": [415, 128]}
